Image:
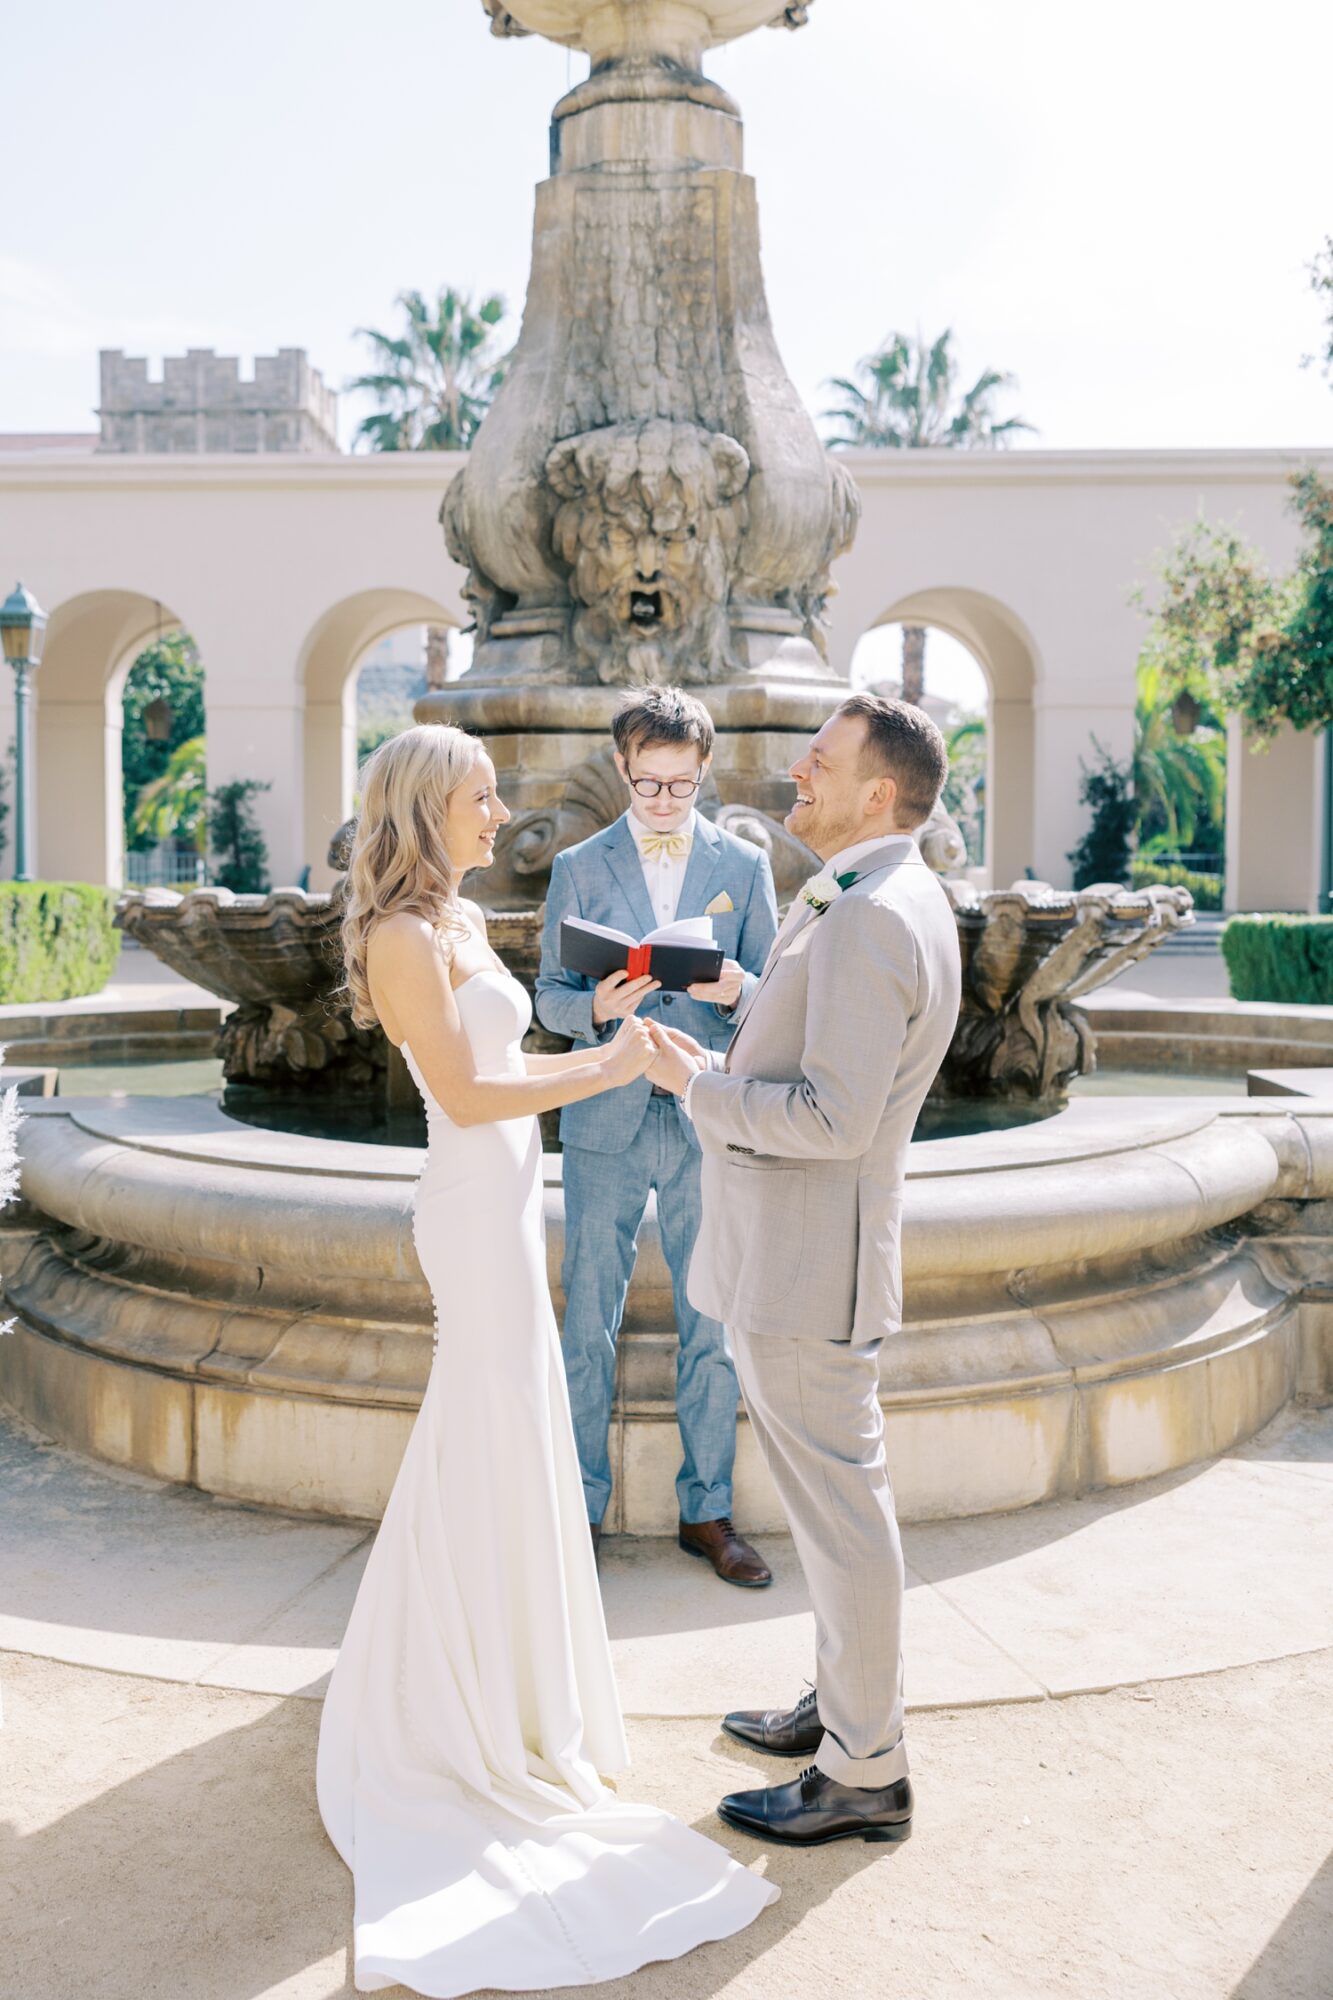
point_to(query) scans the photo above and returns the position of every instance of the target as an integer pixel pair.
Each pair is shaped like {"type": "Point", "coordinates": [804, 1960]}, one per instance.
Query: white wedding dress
{"type": "Point", "coordinates": [473, 1704]}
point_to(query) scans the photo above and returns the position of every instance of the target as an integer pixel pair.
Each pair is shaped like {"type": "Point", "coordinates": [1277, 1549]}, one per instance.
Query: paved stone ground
{"type": "Point", "coordinates": [1166, 1839]}
{"type": "Point", "coordinates": [160, 1842]}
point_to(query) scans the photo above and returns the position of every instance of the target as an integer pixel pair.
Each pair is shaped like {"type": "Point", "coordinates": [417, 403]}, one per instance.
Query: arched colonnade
{"type": "Point", "coordinates": [92, 642]}
{"type": "Point", "coordinates": [285, 571]}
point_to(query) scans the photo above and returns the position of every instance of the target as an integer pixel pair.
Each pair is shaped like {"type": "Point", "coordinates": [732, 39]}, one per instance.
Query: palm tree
{"type": "Point", "coordinates": [1180, 782]}
{"type": "Point", "coordinates": [904, 398]}
{"type": "Point", "coordinates": [172, 806]}
{"type": "Point", "coordinates": [434, 381]}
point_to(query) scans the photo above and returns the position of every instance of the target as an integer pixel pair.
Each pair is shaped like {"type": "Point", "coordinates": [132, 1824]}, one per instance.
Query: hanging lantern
{"type": "Point", "coordinates": [158, 717]}
{"type": "Point", "coordinates": [1185, 713]}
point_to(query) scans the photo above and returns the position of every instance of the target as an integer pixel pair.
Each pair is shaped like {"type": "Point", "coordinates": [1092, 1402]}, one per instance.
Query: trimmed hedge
{"type": "Point", "coordinates": [1205, 889]}
{"type": "Point", "coordinates": [56, 939]}
{"type": "Point", "coordinates": [1280, 958]}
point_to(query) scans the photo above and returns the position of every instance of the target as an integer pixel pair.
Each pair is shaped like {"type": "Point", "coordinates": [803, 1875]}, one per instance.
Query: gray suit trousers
{"type": "Point", "coordinates": [814, 1408]}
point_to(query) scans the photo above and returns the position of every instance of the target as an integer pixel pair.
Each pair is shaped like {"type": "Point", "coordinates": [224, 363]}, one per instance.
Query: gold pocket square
{"type": "Point", "coordinates": [719, 905]}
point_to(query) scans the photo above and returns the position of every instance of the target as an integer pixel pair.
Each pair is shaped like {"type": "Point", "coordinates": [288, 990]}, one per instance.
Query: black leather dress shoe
{"type": "Point", "coordinates": [815, 1808]}
{"type": "Point", "coordinates": [779, 1732]}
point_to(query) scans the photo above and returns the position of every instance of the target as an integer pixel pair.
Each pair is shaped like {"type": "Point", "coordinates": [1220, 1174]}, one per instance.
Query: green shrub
{"type": "Point", "coordinates": [1205, 889]}
{"type": "Point", "coordinates": [56, 939]}
{"type": "Point", "coordinates": [236, 838]}
{"type": "Point", "coordinates": [1103, 853]}
{"type": "Point", "coordinates": [1280, 958]}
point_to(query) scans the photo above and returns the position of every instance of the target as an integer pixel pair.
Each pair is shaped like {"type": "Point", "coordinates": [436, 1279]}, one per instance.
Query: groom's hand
{"type": "Point", "coordinates": [679, 1058]}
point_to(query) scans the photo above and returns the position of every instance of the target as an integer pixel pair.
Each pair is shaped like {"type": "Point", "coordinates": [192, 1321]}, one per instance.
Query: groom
{"type": "Point", "coordinates": [804, 1127]}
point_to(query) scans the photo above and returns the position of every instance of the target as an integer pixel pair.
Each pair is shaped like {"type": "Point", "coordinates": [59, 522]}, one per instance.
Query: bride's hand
{"type": "Point", "coordinates": [682, 1041]}
{"type": "Point", "coordinates": [631, 1053]}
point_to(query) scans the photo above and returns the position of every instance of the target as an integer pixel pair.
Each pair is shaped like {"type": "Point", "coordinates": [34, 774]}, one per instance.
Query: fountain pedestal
{"type": "Point", "coordinates": [647, 499]}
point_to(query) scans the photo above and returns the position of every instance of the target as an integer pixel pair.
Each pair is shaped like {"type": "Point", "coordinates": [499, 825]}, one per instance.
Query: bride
{"type": "Point", "coordinates": [473, 1716]}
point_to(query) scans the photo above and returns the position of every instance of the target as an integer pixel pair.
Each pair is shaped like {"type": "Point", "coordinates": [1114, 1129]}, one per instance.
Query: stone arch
{"type": "Point", "coordinates": [1007, 655]}
{"type": "Point", "coordinates": [329, 658]}
{"type": "Point", "coordinates": [91, 643]}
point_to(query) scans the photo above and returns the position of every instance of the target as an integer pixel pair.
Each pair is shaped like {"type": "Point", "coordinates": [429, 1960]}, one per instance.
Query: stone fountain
{"type": "Point", "coordinates": [1119, 1290]}
{"type": "Point", "coordinates": [647, 499]}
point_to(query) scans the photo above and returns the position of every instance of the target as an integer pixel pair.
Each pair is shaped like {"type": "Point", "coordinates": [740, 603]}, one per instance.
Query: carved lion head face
{"type": "Point", "coordinates": [649, 520]}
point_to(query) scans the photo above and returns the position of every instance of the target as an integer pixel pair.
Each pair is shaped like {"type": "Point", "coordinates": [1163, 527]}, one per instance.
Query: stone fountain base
{"type": "Point", "coordinates": [1129, 1287]}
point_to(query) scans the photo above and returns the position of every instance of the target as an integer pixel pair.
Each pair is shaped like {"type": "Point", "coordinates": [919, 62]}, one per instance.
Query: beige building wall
{"type": "Point", "coordinates": [1275, 827]}
{"type": "Point", "coordinates": [286, 569]}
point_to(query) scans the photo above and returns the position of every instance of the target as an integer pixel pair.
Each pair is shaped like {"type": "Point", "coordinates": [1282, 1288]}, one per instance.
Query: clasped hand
{"type": "Point", "coordinates": [630, 1053]}
{"type": "Point", "coordinates": [679, 1058]}
{"type": "Point", "coordinates": [645, 1048]}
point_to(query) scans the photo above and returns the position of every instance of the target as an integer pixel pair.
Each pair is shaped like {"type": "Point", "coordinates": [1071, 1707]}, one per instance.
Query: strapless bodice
{"type": "Point", "coordinates": [496, 1014]}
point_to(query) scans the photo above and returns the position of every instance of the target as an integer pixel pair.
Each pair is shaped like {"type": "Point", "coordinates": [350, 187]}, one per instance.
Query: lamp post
{"type": "Point", "coordinates": [22, 630]}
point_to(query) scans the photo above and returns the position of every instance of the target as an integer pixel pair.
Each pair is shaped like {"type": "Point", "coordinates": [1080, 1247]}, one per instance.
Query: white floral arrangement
{"type": "Point", "coordinates": [824, 889]}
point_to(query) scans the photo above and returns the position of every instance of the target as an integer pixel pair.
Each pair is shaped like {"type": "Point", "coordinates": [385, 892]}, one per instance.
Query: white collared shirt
{"type": "Point", "coordinates": [849, 856]}
{"type": "Point", "coordinates": [663, 874]}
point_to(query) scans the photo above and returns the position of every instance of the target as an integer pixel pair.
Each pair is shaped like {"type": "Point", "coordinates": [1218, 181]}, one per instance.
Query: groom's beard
{"type": "Point", "coordinates": [825, 830]}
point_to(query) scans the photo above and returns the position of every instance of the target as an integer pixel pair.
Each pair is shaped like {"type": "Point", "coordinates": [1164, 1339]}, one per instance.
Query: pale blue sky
{"type": "Point", "coordinates": [1116, 202]}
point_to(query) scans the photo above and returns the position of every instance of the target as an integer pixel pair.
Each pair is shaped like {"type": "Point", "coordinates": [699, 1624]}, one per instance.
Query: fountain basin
{"type": "Point", "coordinates": [1129, 1287]}
{"type": "Point", "coordinates": [1029, 954]}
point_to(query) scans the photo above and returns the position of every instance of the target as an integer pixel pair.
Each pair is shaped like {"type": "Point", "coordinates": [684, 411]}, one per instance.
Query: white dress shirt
{"type": "Point", "coordinates": [850, 856]}
{"type": "Point", "coordinates": [663, 874]}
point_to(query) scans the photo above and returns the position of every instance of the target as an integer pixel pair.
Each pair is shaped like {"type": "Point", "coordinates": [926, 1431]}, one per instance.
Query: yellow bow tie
{"type": "Point", "coordinates": [674, 844]}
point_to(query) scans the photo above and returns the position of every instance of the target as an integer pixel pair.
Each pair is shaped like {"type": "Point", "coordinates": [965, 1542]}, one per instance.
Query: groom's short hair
{"type": "Point", "coordinates": [901, 743]}
{"type": "Point", "coordinates": [654, 714]}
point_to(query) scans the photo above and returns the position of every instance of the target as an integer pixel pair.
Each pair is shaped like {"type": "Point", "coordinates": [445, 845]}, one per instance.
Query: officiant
{"type": "Point", "coordinates": [662, 861]}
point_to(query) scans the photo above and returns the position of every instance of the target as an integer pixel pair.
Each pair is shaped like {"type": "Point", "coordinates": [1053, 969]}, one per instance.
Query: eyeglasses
{"type": "Point", "coordinates": [679, 788]}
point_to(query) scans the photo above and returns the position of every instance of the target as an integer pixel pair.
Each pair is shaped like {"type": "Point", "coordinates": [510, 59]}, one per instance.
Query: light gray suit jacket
{"type": "Point", "coordinates": [805, 1126]}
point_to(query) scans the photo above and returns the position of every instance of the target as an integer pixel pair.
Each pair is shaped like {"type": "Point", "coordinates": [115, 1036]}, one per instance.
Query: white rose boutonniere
{"type": "Point", "coordinates": [824, 889]}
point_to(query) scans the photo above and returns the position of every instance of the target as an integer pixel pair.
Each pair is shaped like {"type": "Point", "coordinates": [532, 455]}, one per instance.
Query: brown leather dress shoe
{"type": "Point", "coordinates": [730, 1554]}
{"type": "Point", "coordinates": [595, 1530]}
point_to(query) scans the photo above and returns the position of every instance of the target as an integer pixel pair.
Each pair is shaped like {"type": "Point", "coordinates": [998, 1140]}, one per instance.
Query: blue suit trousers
{"type": "Point", "coordinates": [606, 1195]}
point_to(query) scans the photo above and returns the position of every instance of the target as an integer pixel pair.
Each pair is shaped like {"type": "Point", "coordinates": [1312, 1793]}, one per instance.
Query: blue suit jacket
{"type": "Point", "coordinates": [602, 880]}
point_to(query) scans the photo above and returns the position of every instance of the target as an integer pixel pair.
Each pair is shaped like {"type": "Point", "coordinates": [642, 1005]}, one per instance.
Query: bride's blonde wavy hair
{"type": "Point", "coordinates": [399, 860]}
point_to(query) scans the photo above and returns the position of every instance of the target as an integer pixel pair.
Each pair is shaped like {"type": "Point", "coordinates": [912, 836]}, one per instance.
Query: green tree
{"type": "Point", "coordinates": [1104, 853]}
{"type": "Point", "coordinates": [433, 381]}
{"type": "Point", "coordinates": [169, 670]}
{"type": "Point", "coordinates": [1180, 781]}
{"type": "Point", "coordinates": [1257, 645]}
{"type": "Point", "coordinates": [174, 805]}
{"type": "Point", "coordinates": [6, 772]}
{"type": "Point", "coordinates": [965, 786]}
{"type": "Point", "coordinates": [377, 728]}
{"type": "Point", "coordinates": [236, 839]}
{"type": "Point", "coordinates": [905, 397]}
{"type": "Point", "coordinates": [1321, 284]}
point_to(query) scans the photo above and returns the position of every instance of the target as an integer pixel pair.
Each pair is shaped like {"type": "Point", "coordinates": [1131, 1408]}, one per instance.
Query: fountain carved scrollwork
{"type": "Point", "coordinates": [1029, 954]}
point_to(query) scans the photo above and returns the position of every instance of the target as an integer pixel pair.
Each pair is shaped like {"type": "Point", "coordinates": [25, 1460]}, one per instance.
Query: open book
{"type": "Point", "coordinates": [679, 955]}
